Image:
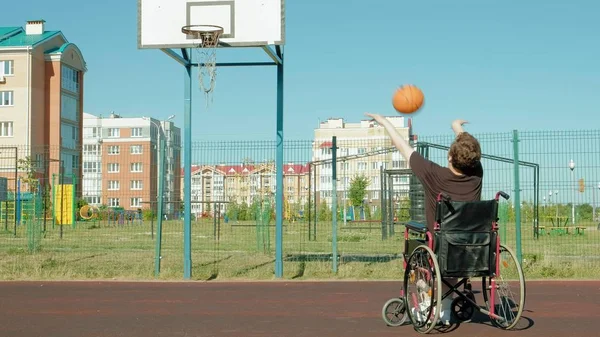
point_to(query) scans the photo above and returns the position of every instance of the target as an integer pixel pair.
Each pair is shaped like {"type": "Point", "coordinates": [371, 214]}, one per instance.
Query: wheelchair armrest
{"type": "Point", "coordinates": [417, 227]}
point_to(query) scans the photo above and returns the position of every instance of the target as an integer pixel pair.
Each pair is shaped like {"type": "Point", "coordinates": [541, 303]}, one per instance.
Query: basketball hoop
{"type": "Point", "coordinates": [206, 50]}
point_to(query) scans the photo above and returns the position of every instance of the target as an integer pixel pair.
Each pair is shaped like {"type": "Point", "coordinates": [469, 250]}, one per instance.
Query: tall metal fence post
{"type": "Point", "coordinates": [383, 207]}
{"type": "Point", "coordinates": [187, 164]}
{"type": "Point", "coordinates": [334, 203]}
{"type": "Point", "coordinates": [53, 202]}
{"type": "Point", "coordinates": [279, 169]}
{"type": "Point", "coordinates": [309, 215]}
{"type": "Point", "coordinates": [74, 183]}
{"type": "Point", "coordinates": [517, 196]}
{"type": "Point", "coordinates": [159, 211]}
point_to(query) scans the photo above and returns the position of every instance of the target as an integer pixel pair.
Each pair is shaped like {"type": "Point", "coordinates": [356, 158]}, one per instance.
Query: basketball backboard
{"type": "Point", "coordinates": [246, 23]}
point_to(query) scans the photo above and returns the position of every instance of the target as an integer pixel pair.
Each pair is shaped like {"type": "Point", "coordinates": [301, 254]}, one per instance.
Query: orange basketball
{"type": "Point", "coordinates": [408, 99]}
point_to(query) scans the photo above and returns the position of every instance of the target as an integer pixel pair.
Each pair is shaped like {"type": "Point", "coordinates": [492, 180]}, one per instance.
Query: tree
{"type": "Point", "coordinates": [233, 210]}
{"type": "Point", "coordinates": [358, 190]}
{"type": "Point", "coordinates": [26, 165]}
{"type": "Point", "coordinates": [243, 212]}
{"type": "Point", "coordinates": [403, 210]}
{"type": "Point", "coordinates": [324, 213]}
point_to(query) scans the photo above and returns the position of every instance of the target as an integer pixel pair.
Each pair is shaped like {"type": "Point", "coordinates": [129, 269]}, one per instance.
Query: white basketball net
{"type": "Point", "coordinates": [206, 56]}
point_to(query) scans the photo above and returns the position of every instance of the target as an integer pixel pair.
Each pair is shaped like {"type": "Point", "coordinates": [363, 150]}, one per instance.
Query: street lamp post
{"type": "Point", "coordinates": [572, 167]}
{"type": "Point", "coordinates": [555, 202]}
{"type": "Point", "coordinates": [544, 207]}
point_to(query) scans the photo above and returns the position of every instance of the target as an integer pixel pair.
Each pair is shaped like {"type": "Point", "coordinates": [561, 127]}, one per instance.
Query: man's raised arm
{"type": "Point", "coordinates": [400, 143]}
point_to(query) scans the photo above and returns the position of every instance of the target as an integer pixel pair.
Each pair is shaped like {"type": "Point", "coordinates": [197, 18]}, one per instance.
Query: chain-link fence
{"type": "Point", "coordinates": [92, 212]}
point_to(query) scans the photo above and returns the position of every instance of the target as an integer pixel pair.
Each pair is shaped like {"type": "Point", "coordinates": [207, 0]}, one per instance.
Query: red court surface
{"type": "Point", "coordinates": [311, 309]}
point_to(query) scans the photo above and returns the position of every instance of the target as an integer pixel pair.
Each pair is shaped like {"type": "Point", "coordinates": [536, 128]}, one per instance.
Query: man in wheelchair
{"type": "Point", "coordinates": [460, 181]}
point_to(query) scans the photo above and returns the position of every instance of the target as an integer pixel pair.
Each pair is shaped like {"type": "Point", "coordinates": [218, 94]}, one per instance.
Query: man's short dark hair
{"type": "Point", "coordinates": [465, 152]}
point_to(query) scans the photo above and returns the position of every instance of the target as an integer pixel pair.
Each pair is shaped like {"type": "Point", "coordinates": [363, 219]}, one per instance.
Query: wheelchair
{"type": "Point", "coordinates": [464, 244]}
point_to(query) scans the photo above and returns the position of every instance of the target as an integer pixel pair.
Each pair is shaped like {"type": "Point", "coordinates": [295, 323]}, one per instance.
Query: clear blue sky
{"type": "Point", "coordinates": [531, 65]}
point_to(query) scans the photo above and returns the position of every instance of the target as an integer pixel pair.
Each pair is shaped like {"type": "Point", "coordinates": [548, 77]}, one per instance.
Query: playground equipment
{"type": "Point", "coordinates": [63, 196]}
{"type": "Point", "coordinates": [120, 216]}
{"type": "Point", "coordinates": [88, 212]}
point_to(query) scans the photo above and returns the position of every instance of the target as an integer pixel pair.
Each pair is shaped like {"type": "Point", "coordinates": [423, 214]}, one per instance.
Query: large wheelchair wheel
{"type": "Point", "coordinates": [509, 291]}
{"type": "Point", "coordinates": [423, 289]}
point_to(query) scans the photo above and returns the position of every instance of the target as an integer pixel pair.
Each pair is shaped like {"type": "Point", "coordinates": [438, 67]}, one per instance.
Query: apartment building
{"type": "Point", "coordinates": [41, 100]}
{"type": "Point", "coordinates": [121, 162]}
{"type": "Point", "coordinates": [363, 148]}
{"type": "Point", "coordinates": [243, 183]}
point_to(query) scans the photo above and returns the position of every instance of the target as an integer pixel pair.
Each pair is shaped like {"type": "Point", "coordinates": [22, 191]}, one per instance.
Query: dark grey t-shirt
{"type": "Point", "coordinates": [436, 179]}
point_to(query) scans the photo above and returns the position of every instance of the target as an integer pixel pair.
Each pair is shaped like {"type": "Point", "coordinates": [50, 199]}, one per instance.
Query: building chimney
{"type": "Point", "coordinates": [35, 27]}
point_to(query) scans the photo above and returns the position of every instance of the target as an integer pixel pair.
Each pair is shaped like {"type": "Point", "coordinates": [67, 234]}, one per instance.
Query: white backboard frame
{"type": "Point", "coordinates": [246, 23]}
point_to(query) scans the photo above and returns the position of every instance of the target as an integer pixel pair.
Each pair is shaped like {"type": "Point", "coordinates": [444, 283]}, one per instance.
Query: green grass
{"type": "Point", "coordinates": [100, 251]}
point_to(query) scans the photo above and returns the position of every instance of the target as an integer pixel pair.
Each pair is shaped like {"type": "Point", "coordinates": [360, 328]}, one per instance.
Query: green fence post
{"type": "Point", "coordinates": [517, 197]}
{"type": "Point", "coordinates": [158, 246]}
{"type": "Point", "coordinates": [73, 201]}
{"type": "Point", "coordinates": [334, 203]}
{"type": "Point", "coordinates": [53, 200]}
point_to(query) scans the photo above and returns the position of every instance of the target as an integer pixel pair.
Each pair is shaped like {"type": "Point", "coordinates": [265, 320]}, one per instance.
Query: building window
{"type": "Point", "coordinates": [91, 150]}
{"type": "Point", "coordinates": [91, 132]}
{"type": "Point", "coordinates": [91, 167]}
{"type": "Point", "coordinates": [136, 202]}
{"type": "Point", "coordinates": [136, 167]}
{"type": "Point", "coordinates": [7, 67]}
{"type": "Point", "coordinates": [136, 149]}
{"type": "Point", "coordinates": [70, 79]}
{"type": "Point", "coordinates": [114, 149]}
{"type": "Point", "coordinates": [114, 132]}
{"type": "Point", "coordinates": [113, 202]}
{"type": "Point", "coordinates": [92, 200]}
{"type": "Point", "coordinates": [75, 162]}
{"type": "Point", "coordinates": [362, 165]}
{"type": "Point", "coordinates": [136, 132]}
{"type": "Point", "coordinates": [136, 185]}
{"type": "Point", "coordinates": [6, 98]}
{"type": "Point", "coordinates": [69, 107]}
{"type": "Point", "coordinates": [114, 167]}
{"type": "Point", "coordinates": [114, 185]}
{"type": "Point", "coordinates": [6, 129]}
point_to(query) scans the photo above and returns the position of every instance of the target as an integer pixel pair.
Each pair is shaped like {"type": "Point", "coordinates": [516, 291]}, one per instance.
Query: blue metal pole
{"type": "Point", "coordinates": [279, 177]}
{"type": "Point", "coordinates": [187, 176]}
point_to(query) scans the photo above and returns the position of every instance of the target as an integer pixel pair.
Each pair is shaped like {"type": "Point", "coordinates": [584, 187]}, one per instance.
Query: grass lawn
{"type": "Point", "coordinates": [126, 252]}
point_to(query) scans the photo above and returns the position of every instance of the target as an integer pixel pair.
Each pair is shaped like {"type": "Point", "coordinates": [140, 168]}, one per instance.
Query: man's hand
{"type": "Point", "coordinates": [457, 126]}
{"type": "Point", "coordinates": [376, 117]}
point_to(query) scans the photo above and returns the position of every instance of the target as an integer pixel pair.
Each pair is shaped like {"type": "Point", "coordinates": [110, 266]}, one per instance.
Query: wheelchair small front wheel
{"type": "Point", "coordinates": [462, 309]}
{"type": "Point", "coordinates": [394, 312]}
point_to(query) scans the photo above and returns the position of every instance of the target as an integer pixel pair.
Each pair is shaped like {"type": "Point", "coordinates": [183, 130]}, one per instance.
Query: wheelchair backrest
{"type": "Point", "coordinates": [466, 239]}
{"type": "Point", "coordinates": [471, 216]}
